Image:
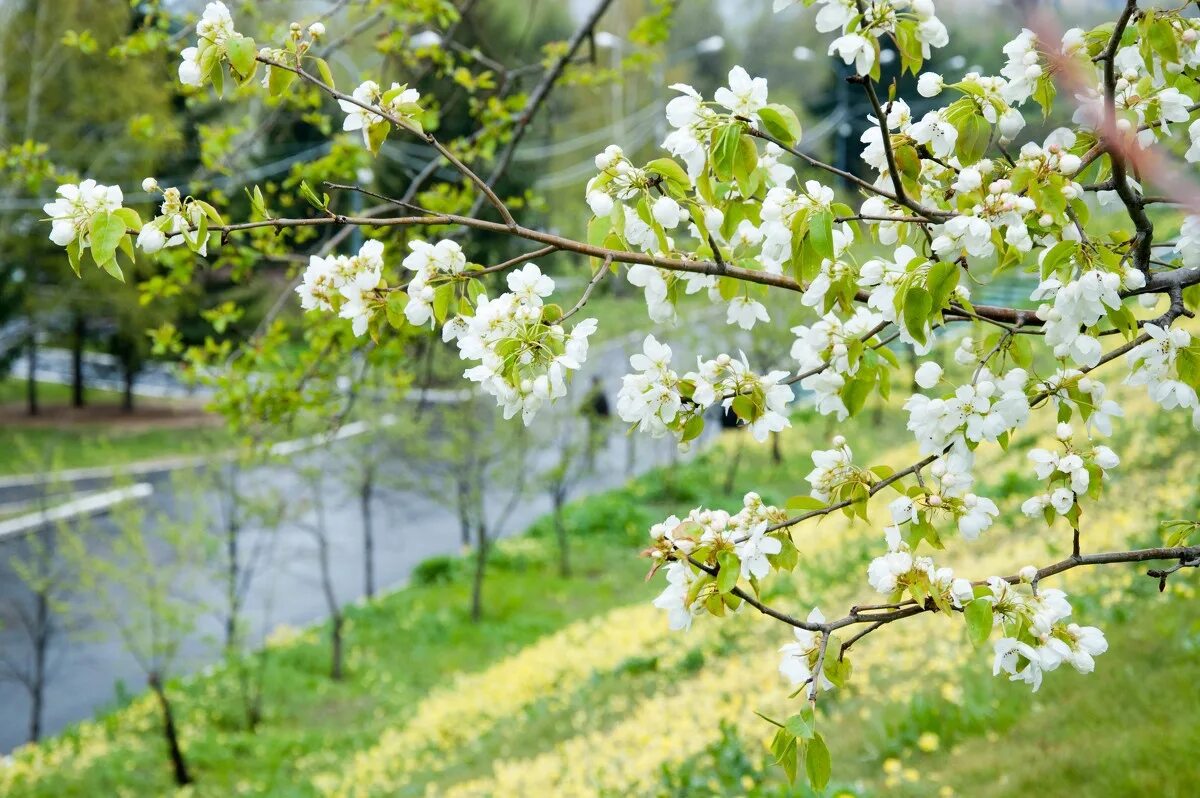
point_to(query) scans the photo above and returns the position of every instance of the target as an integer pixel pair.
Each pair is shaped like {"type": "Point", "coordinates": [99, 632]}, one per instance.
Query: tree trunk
{"type": "Point", "coordinates": [178, 763]}
{"type": "Point", "coordinates": [31, 391]}
{"type": "Point", "coordinates": [734, 462]}
{"type": "Point", "coordinates": [78, 335]}
{"type": "Point", "coordinates": [128, 376]}
{"type": "Point", "coordinates": [560, 529]}
{"type": "Point", "coordinates": [335, 615]}
{"type": "Point", "coordinates": [232, 566]}
{"type": "Point", "coordinates": [335, 639]}
{"type": "Point", "coordinates": [776, 449]}
{"type": "Point", "coordinates": [368, 535]}
{"type": "Point", "coordinates": [37, 684]}
{"type": "Point", "coordinates": [481, 554]}
{"type": "Point", "coordinates": [464, 518]}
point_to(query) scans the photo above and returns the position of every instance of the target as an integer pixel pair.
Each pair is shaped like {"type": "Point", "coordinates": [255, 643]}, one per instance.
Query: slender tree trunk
{"type": "Point", "coordinates": [776, 448]}
{"type": "Point", "coordinates": [560, 529]}
{"type": "Point", "coordinates": [78, 335]}
{"type": "Point", "coordinates": [37, 684]}
{"type": "Point", "coordinates": [232, 568]}
{"type": "Point", "coordinates": [464, 517]}
{"type": "Point", "coordinates": [171, 733]}
{"type": "Point", "coordinates": [734, 462]}
{"type": "Point", "coordinates": [127, 395]}
{"type": "Point", "coordinates": [335, 615]}
{"type": "Point", "coordinates": [31, 391]}
{"type": "Point", "coordinates": [368, 534]}
{"type": "Point", "coordinates": [481, 554]}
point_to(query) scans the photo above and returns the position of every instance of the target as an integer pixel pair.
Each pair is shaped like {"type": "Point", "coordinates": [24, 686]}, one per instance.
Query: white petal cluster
{"type": "Point", "coordinates": [71, 214]}
{"type": "Point", "coordinates": [346, 284]}
{"type": "Point", "coordinates": [799, 658]}
{"type": "Point", "coordinates": [831, 469]}
{"type": "Point", "coordinates": [979, 411]}
{"type": "Point", "coordinates": [1068, 474]}
{"type": "Point", "coordinates": [370, 102]}
{"type": "Point", "coordinates": [178, 222]}
{"type": "Point", "coordinates": [892, 573]}
{"type": "Point", "coordinates": [430, 262]}
{"type": "Point", "coordinates": [656, 400]}
{"type": "Point", "coordinates": [1039, 637]}
{"type": "Point", "coordinates": [1155, 364]}
{"type": "Point", "coordinates": [829, 343]}
{"type": "Point", "coordinates": [213, 30]}
{"type": "Point", "coordinates": [523, 360]}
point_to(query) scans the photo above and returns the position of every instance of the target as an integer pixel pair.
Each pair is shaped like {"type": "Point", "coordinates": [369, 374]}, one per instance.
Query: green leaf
{"type": "Point", "coordinates": [745, 161]}
{"type": "Point", "coordinates": [974, 133]}
{"type": "Point", "coordinates": [130, 217]}
{"type": "Point", "coordinates": [743, 408]}
{"type": "Point", "coordinates": [324, 71]}
{"type": "Point", "coordinates": [817, 763]}
{"type": "Point", "coordinates": [731, 568]}
{"type": "Point", "coordinates": [441, 301]}
{"type": "Point", "coordinates": [941, 282]}
{"type": "Point", "coordinates": [396, 302]}
{"type": "Point", "coordinates": [671, 171]}
{"type": "Point", "coordinates": [241, 52]}
{"type": "Point", "coordinates": [377, 134]}
{"type": "Point", "coordinates": [279, 80]}
{"type": "Point", "coordinates": [820, 233]}
{"type": "Point", "coordinates": [780, 122]}
{"type": "Point", "coordinates": [693, 428]}
{"type": "Point", "coordinates": [725, 150]}
{"type": "Point", "coordinates": [978, 614]}
{"type": "Point", "coordinates": [112, 268]}
{"type": "Point", "coordinates": [106, 230]}
{"type": "Point", "coordinates": [801, 725]}
{"type": "Point", "coordinates": [917, 306]}
{"type": "Point", "coordinates": [855, 394]}
{"type": "Point", "coordinates": [803, 503]}
{"type": "Point", "coordinates": [73, 256]}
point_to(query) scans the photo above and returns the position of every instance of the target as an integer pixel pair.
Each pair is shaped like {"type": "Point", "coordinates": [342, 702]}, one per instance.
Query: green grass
{"type": "Point", "coordinates": [46, 444]}
{"type": "Point", "coordinates": [1128, 729]}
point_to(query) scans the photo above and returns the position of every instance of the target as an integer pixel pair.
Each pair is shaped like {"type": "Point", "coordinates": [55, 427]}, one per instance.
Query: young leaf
{"type": "Point", "coordinates": [731, 566]}
{"type": "Point", "coordinates": [817, 762]}
{"type": "Point", "coordinates": [979, 621]}
{"type": "Point", "coordinates": [780, 122]}
{"type": "Point", "coordinates": [106, 229]}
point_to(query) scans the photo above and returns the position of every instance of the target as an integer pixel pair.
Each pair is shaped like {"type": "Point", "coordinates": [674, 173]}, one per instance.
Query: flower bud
{"type": "Point", "coordinates": [839, 441]}
{"type": "Point", "coordinates": [149, 184]}
{"type": "Point", "coordinates": [1028, 573]}
{"type": "Point", "coordinates": [316, 30]}
{"type": "Point", "coordinates": [1063, 431]}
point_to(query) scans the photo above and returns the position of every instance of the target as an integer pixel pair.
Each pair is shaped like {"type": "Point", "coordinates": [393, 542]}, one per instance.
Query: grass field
{"type": "Point", "coordinates": [574, 687]}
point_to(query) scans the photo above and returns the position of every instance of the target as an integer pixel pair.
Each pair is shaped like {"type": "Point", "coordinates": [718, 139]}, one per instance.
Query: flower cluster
{"type": "Point", "coordinates": [430, 262]}
{"type": "Point", "coordinates": [180, 221]}
{"type": "Point", "coordinates": [738, 543]}
{"type": "Point", "coordinates": [948, 494]}
{"type": "Point", "coordinates": [1038, 638]}
{"type": "Point", "coordinates": [366, 111]}
{"type": "Point", "coordinates": [1078, 470]}
{"type": "Point", "coordinates": [345, 283]}
{"type": "Point", "coordinates": [862, 25]}
{"type": "Point", "coordinates": [524, 352]}
{"type": "Point", "coordinates": [979, 411]}
{"type": "Point", "coordinates": [1169, 366]}
{"type": "Point", "coordinates": [831, 350]}
{"type": "Point", "coordinates": [799, 658]}
{"type": "Point", "coordinates": [899, 571]}
{"type": "Point", "coordinates": [216, 41]}
{"type": "Point", "coordinates": [658, 401]}
{"type": "Point", "coordinates": [72, 214]}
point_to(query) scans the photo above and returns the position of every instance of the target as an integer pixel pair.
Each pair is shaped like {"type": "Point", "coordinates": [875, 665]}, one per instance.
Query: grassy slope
{"type": "Point", "coordinates": [1119, 731]}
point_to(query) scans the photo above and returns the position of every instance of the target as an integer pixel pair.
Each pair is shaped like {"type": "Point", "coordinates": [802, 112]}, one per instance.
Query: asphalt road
{"type": "Point", "coordinates": [90, 666]}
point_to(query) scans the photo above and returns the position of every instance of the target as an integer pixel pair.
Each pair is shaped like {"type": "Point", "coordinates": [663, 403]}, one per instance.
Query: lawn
{"type": "Point", "coordinates": [100, 433]}
{"type": "Point", "coordinates": [574, 687]}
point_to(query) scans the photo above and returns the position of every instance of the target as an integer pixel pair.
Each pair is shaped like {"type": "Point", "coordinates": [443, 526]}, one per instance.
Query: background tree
{"type": "Point", "coordinates": [145, 588]}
